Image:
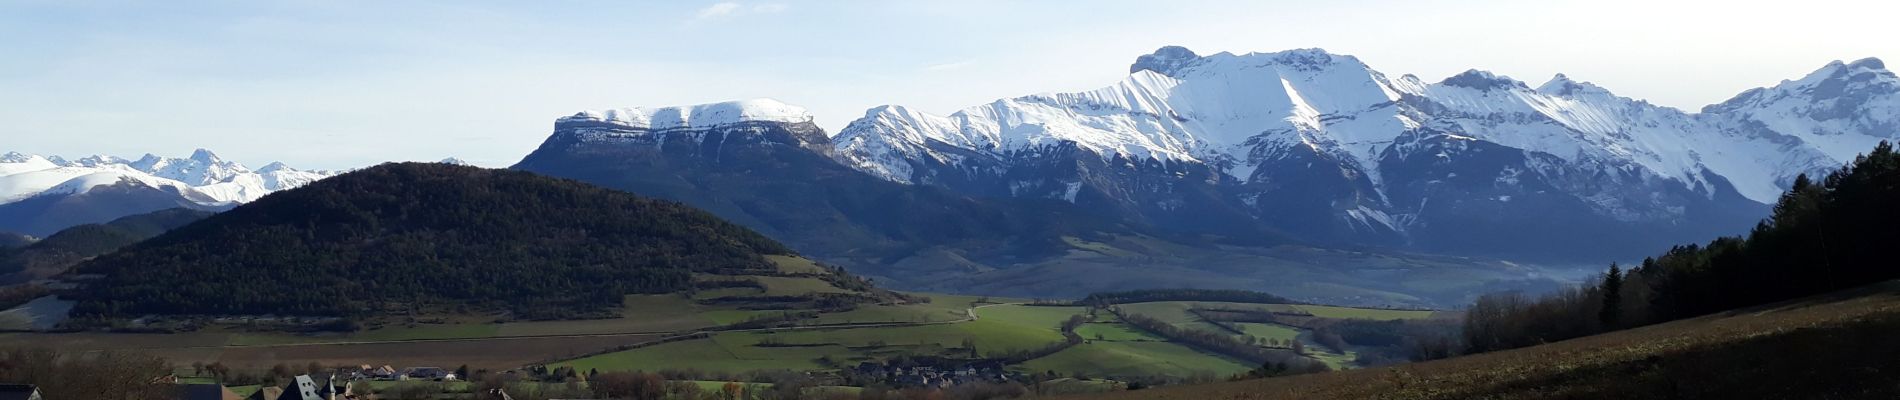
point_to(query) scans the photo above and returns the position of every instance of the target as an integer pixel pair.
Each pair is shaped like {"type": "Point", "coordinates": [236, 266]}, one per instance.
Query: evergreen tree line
{"type": "Point", "coordinates": [1823, 236]}
{"type": "Point", "coordinates": [401, 236]}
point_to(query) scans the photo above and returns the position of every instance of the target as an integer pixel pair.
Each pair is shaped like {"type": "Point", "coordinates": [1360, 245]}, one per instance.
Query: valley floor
{"type": "Point", "coordinates": [943, 326]}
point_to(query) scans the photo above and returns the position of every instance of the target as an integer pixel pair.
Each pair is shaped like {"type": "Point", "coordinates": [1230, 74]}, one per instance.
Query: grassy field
{"type": "Point", "coordinates": [1107, 327]}
{"type": "Point", "coordinates": [1177, 313]}
{"type": "Point", "coordinates": [1832, 346]}
{"type": "Point", "coordinates": [1364, 313]}
{"type": "Point", "coordinates": [1269, 331]}
{"type": "Point", "coordinates": [1115, 349]}
{"type": "Point", "coordinates": [788, 286]}
{"type": "Point", "coordinates": [999, 328]}
{"type": "Point", "coordinates": [795, 265]}
{"type": "Point", "coordinates": [1030, 316]}
{"type": "Point", "coordinates": [702, 354]}
{"type": "Point", "coordinates": [1137, 358]}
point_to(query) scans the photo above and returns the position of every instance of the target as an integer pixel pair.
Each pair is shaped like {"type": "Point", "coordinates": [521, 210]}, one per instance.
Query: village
{"type": "Point", "coordinates": [364, 382]}
{"type": "Point", "coordinates": [927, 376]}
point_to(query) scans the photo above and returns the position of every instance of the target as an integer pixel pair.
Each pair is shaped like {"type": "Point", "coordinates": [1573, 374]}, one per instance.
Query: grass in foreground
{"type": "Point", "coordinates": [1834, 346]}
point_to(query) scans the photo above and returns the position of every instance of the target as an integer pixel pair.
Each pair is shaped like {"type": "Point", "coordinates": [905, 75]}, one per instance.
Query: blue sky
{"type": "Point", "coordinates": [334, 84]}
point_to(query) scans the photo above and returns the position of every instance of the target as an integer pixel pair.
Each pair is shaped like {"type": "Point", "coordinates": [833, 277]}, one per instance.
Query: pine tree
{"type": "Point", "coordinates": [1612, 298]}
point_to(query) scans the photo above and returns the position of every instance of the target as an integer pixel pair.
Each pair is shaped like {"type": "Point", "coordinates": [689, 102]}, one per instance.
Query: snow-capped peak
{"type": "Point", "coordinates": [1562, 86]}
{"type": "Point", "coordinates": [1806, 125]}
{"type": "Point", "coordinates": [1482, 80]}
{"type": "Point", "coordinates": [15, 157]}
{"type": "Point", "coordinates": [698, 116]}
{"type": "Point", "coordinates": [454, 161]}
{"type": "Point", "coordinates": [1165, 60]}
{"type": "Point", "coordinates": [206, 156]}
{"type": "Point", "coordinates": [1175, 106]}
{"type": "Point", "coordinates": [1230, 110]}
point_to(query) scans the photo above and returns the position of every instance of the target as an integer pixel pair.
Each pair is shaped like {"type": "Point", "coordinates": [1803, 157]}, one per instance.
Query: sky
{"type": "Point", "coordinates": [343, 84]}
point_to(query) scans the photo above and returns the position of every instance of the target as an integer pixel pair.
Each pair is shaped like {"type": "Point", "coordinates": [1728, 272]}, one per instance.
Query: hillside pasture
{"type": "Point", "coordinates": [1134, 358]}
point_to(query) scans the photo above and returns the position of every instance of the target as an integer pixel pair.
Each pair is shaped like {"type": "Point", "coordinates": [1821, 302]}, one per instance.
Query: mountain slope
{"type": "Point", "coordinates": [10, 240]}
{"type": "Point", "coordinates": [411, 235]}
{"type": "Point", "coordinates": [770, 172]}
{"type": "Point", "coordinates": [70, 246]}
{"type": "Point", "coordinates": [1765, 137]}
{"type": "Point", "coordinates": [762, 164]}
{"type": "Point", "coordinates": [1325, 147]}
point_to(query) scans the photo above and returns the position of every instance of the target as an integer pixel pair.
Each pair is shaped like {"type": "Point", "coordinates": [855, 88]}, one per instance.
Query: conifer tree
{"type": "Point", "coordinates": [1612, 298]}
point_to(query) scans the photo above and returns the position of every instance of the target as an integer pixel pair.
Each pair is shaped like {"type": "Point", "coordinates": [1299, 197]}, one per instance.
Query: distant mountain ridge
{"type": "Point", "coordinates": [43, 194]}
{"type": "Point", "coordinates": [765, 165]}
{"type": "Point", "coordinates": [1322, 146]}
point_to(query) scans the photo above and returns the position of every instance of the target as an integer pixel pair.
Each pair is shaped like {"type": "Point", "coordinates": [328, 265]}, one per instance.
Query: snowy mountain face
{"type": "Point", "coordinates": [765, 165]}
{"type": "Point", "coordinates": [1324, 146]}
{"type": "Point", "coordinates": [1766, 136]}
{"type": "Point", "coordinates": [694, 128]}
{"type": "Point", "coordinates": [200, 181]}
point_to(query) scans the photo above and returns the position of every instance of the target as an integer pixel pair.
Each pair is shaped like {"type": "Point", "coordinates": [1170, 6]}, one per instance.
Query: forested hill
{"type": "Point", "coordinates": [1825, 235]}
{"type": "Point", "coordinates": [72, 245]}
{"type": "Point", "coordinates": [10, 240]}
{"type": "Point", "coordinates": [396, 236]}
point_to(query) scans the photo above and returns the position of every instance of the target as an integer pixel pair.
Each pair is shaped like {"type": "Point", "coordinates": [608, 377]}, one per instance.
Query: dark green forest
{"type": "Point", "coordinates": [76, 244]}
{"type": "Point", "coordinates": [10, 240]}
{"type": "Point", "coordinates": [1823, 236]}
{"type": "Point", "coordinates": [400, 236]}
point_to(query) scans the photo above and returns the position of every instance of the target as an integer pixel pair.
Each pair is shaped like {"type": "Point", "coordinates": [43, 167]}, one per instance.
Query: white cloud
{"type": "Point", "coordinates": [733, 9]}
{"type": "Point", "coordinates": [719, 10]}
{"type": "Point", "coordinates": [949, 65]}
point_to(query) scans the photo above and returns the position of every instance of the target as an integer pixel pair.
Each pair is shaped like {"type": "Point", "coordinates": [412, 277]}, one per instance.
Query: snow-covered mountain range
{"type": "Point", "coordinates": [44, 193]}
{"type": "Point", "coordinates": [1324, 146]}
{"type": "Point", "coordinates": [1178, 106]}
{"type": "Point", "coordinates": [203, 177]}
